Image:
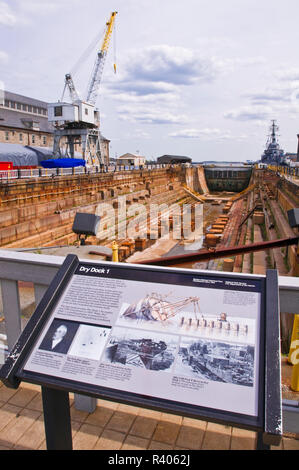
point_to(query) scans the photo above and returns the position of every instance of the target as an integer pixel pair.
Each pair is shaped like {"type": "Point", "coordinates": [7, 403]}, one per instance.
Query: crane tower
{"type": "Point", "coordinates": [78, 122]}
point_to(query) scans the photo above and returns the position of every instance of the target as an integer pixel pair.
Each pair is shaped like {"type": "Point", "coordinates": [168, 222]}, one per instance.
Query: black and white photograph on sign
{"type": "Point", "coordinates": [193, 315]}
{"type": "Point", "coordinates": [59, 336]}
{"type": "Point", "coordinates": [89, 342]}
{"type": "Point", "coordinates": [141, 349]}
{"type": "Point", "coordinates": [216, 361]}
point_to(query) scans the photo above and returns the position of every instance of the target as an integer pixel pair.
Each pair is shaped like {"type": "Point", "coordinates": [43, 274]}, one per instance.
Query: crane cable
{"type": "Point", "coordinates": [114, 48]}
{"type": "Point", "coordinates": [87, 51]}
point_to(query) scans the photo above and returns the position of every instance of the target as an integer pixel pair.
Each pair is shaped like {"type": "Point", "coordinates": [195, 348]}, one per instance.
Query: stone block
{"type": "Point", "coordinates": [140, 244]}
{"type": "Point", "coordinates": [211, 240]}
{"type": "Point", "coordinates": [228, 264]}
{"type": "Point", "coordinates": [258, 217]}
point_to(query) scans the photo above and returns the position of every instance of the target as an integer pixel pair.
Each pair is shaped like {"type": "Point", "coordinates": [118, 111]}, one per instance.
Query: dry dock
{"type": "Point", "coordinates": [38, 214]}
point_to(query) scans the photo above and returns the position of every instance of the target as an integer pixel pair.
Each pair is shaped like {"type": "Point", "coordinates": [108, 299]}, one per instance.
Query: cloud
{"type": "Point", "coordinates": [281, 92]}
{"type": "Point", "coordinates": [151, 115]}
{"type": "Point", "coordinates": [133, 98]}
{"type": "Point", "coordinates": [165, 71]}
{"type": "Point", "coordinates": [290, 74]}
{"type": "Point", "coordinates": [270, 96]}
{"type": "Point", "coordinates": [225, 66]}
{"type": "Point", "coordinates": [25, 11]}
{"type": "Point", "coordinates": [7, 17]}
{"type": "Point", "coordinates": [205, 134]}
{"type": "Point", "coordinates": [250, 113]}
{"type": "Point", "coordinates": [44, 6]}
{"type": "Point", "coordinates": [138, 134]}
{"type": "Point", "coordinates": [144, 88]}
{"type": "Point", "coordinates": [162, 70]}
{"type": "Point", "coordinates": [194, 133]}
{"type": "Point", "coordinates": [3, 56]}
{"type": "Point", "coordinates": [169, 64]}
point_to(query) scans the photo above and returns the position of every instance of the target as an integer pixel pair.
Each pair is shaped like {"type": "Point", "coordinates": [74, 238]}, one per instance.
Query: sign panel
{"type": "Point", "coordinates": [190, 337]}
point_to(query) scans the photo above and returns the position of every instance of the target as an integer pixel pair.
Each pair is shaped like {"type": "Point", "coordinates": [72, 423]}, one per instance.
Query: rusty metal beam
{"type": "Point", "coordinates": [207, 255]}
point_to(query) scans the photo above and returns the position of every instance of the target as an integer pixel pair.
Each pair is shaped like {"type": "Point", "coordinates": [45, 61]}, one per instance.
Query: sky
{"type": "Point", "coordinates": [199, 78]}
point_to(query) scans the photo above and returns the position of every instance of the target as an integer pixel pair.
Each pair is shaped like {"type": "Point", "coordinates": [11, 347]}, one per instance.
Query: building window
{"type": "Point", "coordinates": [86, 111]}
{"type": "Point", "coordinates": [24, 107]}
{"type": "Point", "coordinates": [58, 111]}
{"type": "Point", "coordinates": [33, 139]}
{"type": "Point", "coordinates": [6, 103]}
{"type": "Point", "coordinates": [29, 109]}
{"type": "Point", "coordinates": [34, 109]}
{"type": "Point", "coordinates": [12, 104]}
{"type": "Point", "coordinates": [6, 135]}
{"type": "Point", "coordinates": [21, 137]}
{"type": "Point", "coordinates": [44, 140]}
{"type": "Point", "coordinates": [19, 106]}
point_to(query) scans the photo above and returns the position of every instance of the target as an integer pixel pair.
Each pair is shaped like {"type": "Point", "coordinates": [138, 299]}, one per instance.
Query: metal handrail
{"type": "Point", "coordinates": [50, 172]}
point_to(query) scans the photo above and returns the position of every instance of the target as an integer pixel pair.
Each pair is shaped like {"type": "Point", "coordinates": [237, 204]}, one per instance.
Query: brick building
{"type": "Point", "coordinates": [24, 121]}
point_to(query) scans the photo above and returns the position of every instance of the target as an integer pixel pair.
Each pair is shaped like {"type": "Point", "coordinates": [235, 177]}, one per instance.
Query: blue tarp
{"type": "Point", "coordinates": [62, 163]}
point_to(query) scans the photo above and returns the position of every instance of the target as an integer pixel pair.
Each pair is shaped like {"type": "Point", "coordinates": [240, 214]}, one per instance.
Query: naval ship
{"type": "Point", "coordinates": [273, 153]}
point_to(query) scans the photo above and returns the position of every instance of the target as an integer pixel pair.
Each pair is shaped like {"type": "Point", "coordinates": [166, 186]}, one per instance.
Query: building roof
{"type": "Point", "coordinates": [18, 120]}
{"type": "Point", "coordinates": [173, 159]}
{"type": "Point", "coordinates": [127, 156]}
{"type": "Point", "coordinates": [8, 95]}
{"type": "Point", "coordinates": [104, 138]}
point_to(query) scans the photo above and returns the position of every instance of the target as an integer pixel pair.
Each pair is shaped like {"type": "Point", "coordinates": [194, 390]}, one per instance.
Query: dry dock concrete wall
{"type": "Point", "coordinates": [40, 211]}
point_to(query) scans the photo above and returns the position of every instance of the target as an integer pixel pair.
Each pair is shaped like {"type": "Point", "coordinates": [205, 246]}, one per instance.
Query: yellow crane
{"type": "Point", "coordinates": [100, 61]}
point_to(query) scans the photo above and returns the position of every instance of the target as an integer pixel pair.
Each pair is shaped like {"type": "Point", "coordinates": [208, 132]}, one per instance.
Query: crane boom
{"type": "Point", "coordinates": [69, 83]}
{"type": "Point", "coordinates": [96, 76]}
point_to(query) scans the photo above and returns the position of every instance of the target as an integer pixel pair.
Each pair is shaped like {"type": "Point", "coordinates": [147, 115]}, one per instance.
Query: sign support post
{"type": "Point", "coordinates": [57, 419]}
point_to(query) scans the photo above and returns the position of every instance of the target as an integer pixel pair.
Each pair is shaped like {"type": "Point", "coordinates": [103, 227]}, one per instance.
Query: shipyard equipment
{"type": "Point", "coordinates": [293, 217]}
{"type": "Point", "coordinates": [84, 225]}
{"type": "Point", "coordinates": [78, 122]}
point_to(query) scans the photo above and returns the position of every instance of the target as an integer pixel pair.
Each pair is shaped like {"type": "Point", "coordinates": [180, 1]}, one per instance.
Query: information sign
{"type": "Point", "coordinates": [186, 341]}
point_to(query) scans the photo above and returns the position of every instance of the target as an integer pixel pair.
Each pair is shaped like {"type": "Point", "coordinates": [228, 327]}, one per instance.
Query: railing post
{"type": "Point", "coordinates": [114, 252]}
{"type": "Point", "coordinates": [11, 310]}
{"type": "Point", "coordinates": [39, 291]}
{"type": "Point", "coordinates": [294, 355]}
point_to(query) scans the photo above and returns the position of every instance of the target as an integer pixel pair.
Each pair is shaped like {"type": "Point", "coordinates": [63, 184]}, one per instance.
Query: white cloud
{"type": "Point", "coordinates": [150, 115]}
{"type": "Point", "coordinates": [280, 92]}
{"type": "Point", "coordinates": [250, 113]}
{"type": "Point", "coordinates": [290, 74]}
{"type": "Point", "coordinates": [7, 17]}
{"type": "Point", "coordinates": [205, 134]}
{"type": "Point", "coordinates": [161, 70]}
{"type": "Point", "coordinates": [25, 11]}
{"type": "Point", "coordinates": [3, 56]}
{"type": "Point", "coordinates": [194, 133]}
{"type": "Point", "coordinates": [270, 96]}
{"type": "Point", "coordinates": [226, 66]}
{"type": "Point", "coordinates": [132, 98]}
{"type": "Point", "coordinates": [138, 134]}
{"type": "Point", "coordinates": [44, 6]}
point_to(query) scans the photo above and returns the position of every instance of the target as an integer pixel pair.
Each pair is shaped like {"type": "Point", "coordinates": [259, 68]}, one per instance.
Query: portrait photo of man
{"type": "Point", "coordinates": [59, 336]}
